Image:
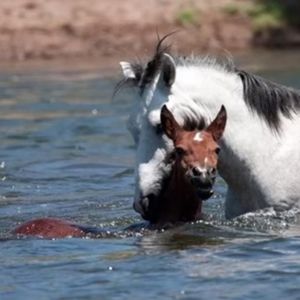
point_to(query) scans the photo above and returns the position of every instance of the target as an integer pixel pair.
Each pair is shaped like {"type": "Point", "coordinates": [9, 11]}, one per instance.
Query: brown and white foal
{"type": "Point", "coordinates": [194, 165]}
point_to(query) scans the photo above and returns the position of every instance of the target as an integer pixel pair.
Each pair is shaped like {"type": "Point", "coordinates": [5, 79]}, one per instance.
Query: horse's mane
{"type": "Point", "coordinates": [223, 64]}
{"type": "Point", "coordinates": [268, 99]}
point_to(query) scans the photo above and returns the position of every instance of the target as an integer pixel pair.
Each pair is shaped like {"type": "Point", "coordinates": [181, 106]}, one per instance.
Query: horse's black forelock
{"type": "Point", "coordinates": [154, 65]}
{"type": "Point", "coordinates": [268, 99]}
{"type": "Point", "coordinates": [144, 75]}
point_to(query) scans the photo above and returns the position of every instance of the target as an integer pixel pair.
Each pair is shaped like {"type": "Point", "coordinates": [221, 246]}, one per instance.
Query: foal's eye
{"type": "Point", "coordinates": [217, 150]}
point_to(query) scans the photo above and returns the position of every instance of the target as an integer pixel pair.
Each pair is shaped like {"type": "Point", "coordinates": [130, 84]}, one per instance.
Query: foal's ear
{"type": "Point", "coordinates": [217, 126]}
{"type": "Point", "coordinates": [168, 123]}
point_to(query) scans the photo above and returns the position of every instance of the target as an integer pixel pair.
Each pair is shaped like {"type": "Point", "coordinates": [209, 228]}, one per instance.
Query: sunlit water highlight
{"type": "Point", "coordinates": [65, 153]}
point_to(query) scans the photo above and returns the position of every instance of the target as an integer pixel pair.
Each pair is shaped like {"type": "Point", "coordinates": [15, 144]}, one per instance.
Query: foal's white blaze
{"type": "Point", "coordinates": [205, 162]}
{"type": "Point", "coordinates": [202, 168]}
{"type": "Point", "coordinates": [198, 137]}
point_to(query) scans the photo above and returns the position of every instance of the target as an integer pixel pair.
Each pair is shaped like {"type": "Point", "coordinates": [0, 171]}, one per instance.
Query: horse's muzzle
{"type": "Point", "coordinates": [147, 206]}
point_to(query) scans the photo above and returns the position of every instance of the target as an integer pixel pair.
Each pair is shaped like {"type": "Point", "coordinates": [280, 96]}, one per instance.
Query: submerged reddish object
{"type": "Point", "coordinates": [49, 228]}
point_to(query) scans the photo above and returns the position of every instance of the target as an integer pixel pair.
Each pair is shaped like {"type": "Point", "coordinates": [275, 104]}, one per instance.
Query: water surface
{"type": "Point", "coordinates": [65, 152]}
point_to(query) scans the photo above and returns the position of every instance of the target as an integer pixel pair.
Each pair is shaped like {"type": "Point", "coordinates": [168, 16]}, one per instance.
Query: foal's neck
{"type": "Point", "coordinates": [180, 202]}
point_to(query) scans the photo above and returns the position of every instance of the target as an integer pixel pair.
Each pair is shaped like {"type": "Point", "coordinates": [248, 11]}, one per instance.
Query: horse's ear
{"type": "Point", "coordinates": [217, 126]}
{"type": "Point", "coordinates": [169, 125]}
{"type": "Point", "coordinates": [168, 70]}
{"type": "Point", "coordinates": [128, 70]}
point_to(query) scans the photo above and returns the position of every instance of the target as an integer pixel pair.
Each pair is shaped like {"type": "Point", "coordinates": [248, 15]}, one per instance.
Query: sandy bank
{"type": "Point", "coordinates": [49, 29]}
{"type": "Point", "coordinates": [39, 29]}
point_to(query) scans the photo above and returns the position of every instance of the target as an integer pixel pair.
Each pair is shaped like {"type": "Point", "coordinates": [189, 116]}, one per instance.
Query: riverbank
{"type": "Point", "coordinates": [106, 29]}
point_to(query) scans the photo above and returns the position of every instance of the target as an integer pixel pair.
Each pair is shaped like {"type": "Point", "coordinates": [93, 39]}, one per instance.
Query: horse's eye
{"type": "Point", "coordinates": [217, 150]}
{"type": "Point", "coordinates": [158, 129]}
{"type": "Point", "coordinates": [180, 151]}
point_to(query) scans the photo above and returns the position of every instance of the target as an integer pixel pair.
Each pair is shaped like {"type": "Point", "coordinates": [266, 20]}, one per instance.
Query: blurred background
{"type": "Point", "coordinates": [39, 29]}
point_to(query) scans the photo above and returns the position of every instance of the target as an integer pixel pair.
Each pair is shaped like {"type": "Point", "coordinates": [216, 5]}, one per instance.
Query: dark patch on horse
{"type": "Point", "coordinates": [154, 65]}
{"type": "Point", "coordinates": [269, 99]}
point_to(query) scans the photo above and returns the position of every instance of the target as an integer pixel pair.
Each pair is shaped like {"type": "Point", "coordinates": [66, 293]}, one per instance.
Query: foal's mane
{"type": "Point", "coordinates": [191, 124]}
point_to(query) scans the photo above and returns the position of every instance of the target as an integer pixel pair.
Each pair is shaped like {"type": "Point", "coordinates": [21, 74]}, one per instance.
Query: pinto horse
{"type": "Point", "coordinates": [194, 162]}
{"type": "Point", "coordinates": [193, 170]}
{"type": "Point", "coordinates": [260, 159]}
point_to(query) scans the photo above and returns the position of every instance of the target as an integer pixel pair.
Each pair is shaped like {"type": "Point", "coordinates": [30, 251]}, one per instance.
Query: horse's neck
{"type": "Point", "coordinates": [253, 159]}
{"type": "Point", "coordinates": [246, 134]}
{"type": "Point", "coordinates": [260, 166]}
{"type": "Point", "coordinates": [248, 149]}
{"type": "Point", "coordinates": [258, 162]}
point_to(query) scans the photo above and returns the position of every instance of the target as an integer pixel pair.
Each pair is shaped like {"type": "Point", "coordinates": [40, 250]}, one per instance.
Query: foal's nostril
{"type": "Point", "coordinates": [213, 173]}
{"type": "Point", "coordinates": [196, 172]}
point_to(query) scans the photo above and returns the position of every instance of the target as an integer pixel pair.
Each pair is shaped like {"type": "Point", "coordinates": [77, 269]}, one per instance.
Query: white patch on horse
{"type": "Point", "coordinates": [198, 137]}
{"type": "Point", "coordinates": [127, 69]}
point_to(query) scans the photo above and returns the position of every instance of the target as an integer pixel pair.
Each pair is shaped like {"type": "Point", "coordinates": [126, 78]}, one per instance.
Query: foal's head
{"type": "Point", "coordinates": [194, 163]}
{"type": "Point", "coordinates": [196, 152]}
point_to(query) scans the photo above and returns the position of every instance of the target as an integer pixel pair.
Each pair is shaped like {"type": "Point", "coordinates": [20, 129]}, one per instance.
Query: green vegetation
{"type": "Point", "coordinates": [231, 9]}
{"type": "Point", "coordinates": [273, 14]}
{"type": "Point", "coordinates": [267, 15]}
{"type": "Point", "coordinates": [188, 16]}
{"type": "Point", "coordinates": [244, 9]}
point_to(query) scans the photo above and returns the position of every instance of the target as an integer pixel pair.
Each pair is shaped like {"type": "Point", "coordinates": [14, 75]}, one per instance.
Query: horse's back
{"type": "Point", "coordinates": [49, 228]}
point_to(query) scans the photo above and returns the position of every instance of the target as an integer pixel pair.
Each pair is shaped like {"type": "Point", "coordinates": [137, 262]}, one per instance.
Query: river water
{"type": "Point", "coordinates": [65, 152]}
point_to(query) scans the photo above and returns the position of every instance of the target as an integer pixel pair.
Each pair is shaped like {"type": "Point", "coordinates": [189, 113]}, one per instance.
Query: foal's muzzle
{"type": "Point", "coordinates": [203, 181]}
